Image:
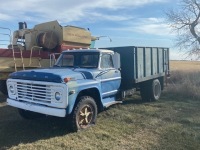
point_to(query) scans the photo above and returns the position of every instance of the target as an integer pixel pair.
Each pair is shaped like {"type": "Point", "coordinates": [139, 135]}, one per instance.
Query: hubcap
{"type": "Point", "coordinates": [157, 90]}
{"type": "Point", "coordinates": [85, 116]}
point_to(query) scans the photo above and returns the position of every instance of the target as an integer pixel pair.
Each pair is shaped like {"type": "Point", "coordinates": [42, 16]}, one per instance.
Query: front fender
{"type": "Point", "coordinates": [75, 87]}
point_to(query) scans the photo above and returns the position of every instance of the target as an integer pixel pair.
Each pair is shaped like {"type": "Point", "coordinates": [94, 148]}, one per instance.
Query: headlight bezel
{"type": "Point", "coordinates": [11, 89]}
{"type": "Point", "coordinates": [58, 96]}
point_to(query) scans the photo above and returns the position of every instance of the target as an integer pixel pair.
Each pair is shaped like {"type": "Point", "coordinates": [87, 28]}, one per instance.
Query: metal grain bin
{"type": "Point", "coordinates": [139, 64]}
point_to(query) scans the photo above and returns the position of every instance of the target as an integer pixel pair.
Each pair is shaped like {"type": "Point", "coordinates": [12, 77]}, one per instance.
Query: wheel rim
{"type": "Point", "coordinates": [85, 116]}
{"type": "Point", "coordinates": [157, 90]}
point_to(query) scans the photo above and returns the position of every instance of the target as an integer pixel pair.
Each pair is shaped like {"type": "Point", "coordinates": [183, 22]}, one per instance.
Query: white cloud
{"type": "Point", "coordinates": [155, 26]}
{"type": "Point", "coordinates": [151, 26]}
{"type": "Point", "coordinates": [111, 17]}
{"type": "Point", "coordinates": [160, 29]}
{"type": "Point", "coordinates": [66, 10]}
{"type": "Point", "coordinates": [5, 17]}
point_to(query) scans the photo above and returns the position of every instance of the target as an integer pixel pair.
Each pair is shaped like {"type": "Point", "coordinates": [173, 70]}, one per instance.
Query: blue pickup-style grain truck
{"type": "Point", "coordinates": [84, 82]}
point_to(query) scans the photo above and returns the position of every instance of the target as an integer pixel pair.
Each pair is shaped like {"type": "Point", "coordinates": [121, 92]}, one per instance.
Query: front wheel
{"type": "Point", "coordinates": [84, 114]}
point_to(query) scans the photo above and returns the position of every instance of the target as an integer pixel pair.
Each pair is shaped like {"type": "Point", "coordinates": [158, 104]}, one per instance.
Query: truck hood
{"type": "Point", "coordinates": [49, 74]}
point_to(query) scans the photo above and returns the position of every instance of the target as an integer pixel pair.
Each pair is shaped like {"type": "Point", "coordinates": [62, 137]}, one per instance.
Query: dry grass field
{"type": "Point", "coordinates": [185, 66]}
{"type": "Point", "coordinates": [173, 122]}
{"type": "Point", "coordinates": [185, 78]}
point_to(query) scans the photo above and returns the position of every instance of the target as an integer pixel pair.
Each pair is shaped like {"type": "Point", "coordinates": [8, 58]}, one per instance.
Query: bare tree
{"type": "Point", "coordinates": [186, 22]}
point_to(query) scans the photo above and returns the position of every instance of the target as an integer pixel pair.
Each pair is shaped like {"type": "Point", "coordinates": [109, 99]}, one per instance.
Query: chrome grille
{"type": "Point", "coordinates": [36, 93]}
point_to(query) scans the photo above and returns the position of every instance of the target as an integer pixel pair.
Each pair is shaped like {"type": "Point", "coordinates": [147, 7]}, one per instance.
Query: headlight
{"type": "Point", "coordinates": [11, 89]}
{"type": "Point", "coordinates": [57, 96]}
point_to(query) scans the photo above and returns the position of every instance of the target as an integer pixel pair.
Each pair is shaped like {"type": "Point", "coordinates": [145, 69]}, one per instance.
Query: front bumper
{"type": "Point", "coordinates": [37, 108]}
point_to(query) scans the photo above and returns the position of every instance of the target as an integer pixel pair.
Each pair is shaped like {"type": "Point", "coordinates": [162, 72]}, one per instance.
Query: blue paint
{"type": "Point", "coordinates": [84, 78]}
{"type": "Point", "coordinates": [87, 74]}
{"type": "Point", "coordinates": [81, 85]}
{"type": "Point", "coordinates": [36, 76]}
{"type": "Point", "coordinates": [55, 74]}
{"type": "Point", "coordinates": [108, 100]}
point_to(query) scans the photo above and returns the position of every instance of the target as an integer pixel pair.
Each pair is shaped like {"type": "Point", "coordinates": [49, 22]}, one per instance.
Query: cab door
{"type": "Point", "coordinates": [110, 76]}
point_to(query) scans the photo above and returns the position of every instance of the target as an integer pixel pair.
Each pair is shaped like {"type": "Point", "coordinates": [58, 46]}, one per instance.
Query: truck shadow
{"type": "Point", "coordinates": [15, 130]}
{"type": "Point", "coordinates": [133, 101]}
{"type": "Point", "coordinates": [2, 98]}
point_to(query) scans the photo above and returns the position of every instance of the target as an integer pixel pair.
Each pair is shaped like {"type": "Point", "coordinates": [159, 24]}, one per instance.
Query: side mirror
{"type": "Point", "coordinates": [116, 60]}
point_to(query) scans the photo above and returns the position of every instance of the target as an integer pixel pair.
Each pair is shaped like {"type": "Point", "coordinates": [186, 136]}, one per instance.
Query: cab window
{"type": "Point", "coordinates": [106, 61]}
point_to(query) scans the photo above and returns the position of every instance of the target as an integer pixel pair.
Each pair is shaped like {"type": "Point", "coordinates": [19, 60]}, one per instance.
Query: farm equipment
{"type": "Point", "coordinates": [38, 47]}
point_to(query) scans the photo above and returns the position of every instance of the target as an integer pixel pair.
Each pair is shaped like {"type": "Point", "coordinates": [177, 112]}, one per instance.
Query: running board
{"type": "Point", "coordinates": [112, 103]}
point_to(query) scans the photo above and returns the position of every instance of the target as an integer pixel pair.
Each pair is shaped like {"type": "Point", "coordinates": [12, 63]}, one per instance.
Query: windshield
{"type": "Point", "coordinates": [78, 59]}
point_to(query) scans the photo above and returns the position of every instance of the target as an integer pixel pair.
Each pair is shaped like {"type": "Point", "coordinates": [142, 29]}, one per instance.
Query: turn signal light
{"type": "Point", "coordinates": [67, 80]}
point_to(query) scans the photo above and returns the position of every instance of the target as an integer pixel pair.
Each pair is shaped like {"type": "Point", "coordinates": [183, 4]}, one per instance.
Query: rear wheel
{"type": "Point", "coordinates": [150, 91]}
{"type": "Point", "coordinates": [84, 114]}
{"type": "Point", "coordinates": [29, 114]}
{"type": "Point", "coordinates": [3, 87]}
{"type": "Point", "coordinates": [155, 90]}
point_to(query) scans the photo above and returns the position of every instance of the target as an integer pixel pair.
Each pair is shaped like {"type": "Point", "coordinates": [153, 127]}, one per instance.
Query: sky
{"type": "Point", "coordinates": [127, 23]}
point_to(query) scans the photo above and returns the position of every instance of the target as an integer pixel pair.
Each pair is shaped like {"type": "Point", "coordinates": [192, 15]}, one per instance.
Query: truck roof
{"type": "Point", "coordinates": [90, 50]}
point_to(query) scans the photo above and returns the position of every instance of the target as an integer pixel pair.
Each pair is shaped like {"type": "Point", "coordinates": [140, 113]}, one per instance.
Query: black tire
{"type": "Point", "coordinates": [84, 114]}
{"type": "Point", "coordinates": [3, 87]}
{"type": "Point", "coordinates": [145, 93]}
{"type": "Point", "coordinates": [29, 114]}
{"type": "Point", "coordinates": [150, 91]}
